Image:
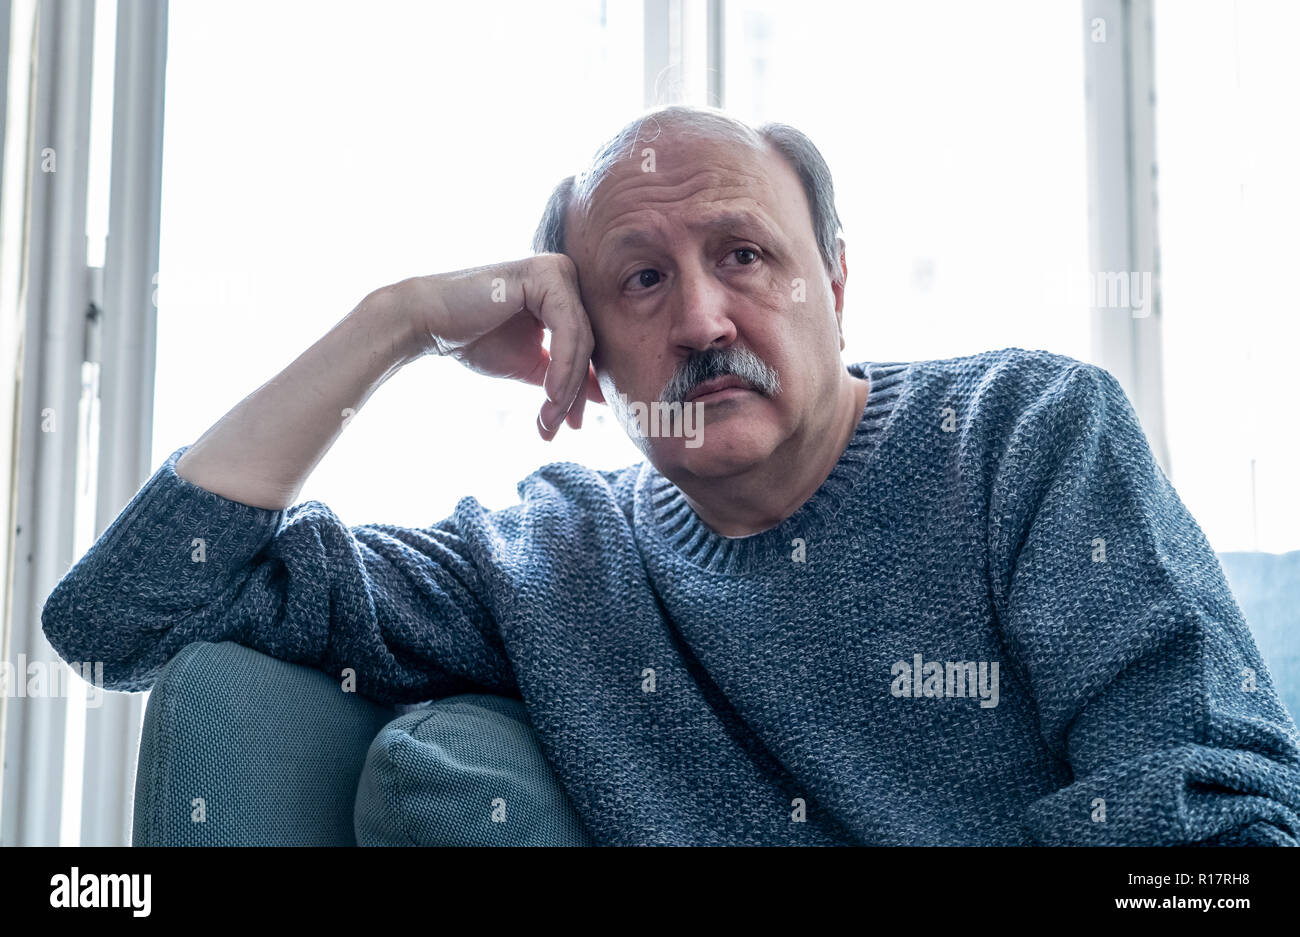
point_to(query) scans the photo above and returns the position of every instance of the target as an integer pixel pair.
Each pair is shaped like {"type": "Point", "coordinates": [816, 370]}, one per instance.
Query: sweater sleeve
{"type": "Point", "coordinates": [1116, 612]}
{"type": "Point", "coordinates": [401, 608]}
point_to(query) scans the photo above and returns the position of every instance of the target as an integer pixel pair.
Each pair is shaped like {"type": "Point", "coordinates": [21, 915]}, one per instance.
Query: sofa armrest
{"type": "Point", "coordinates": [241, 749]}
{"type": "Point", "coordinates": [1267, 589]}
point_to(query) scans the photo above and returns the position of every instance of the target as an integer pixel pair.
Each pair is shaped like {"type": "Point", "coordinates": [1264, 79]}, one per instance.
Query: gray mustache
{"type": "Point", "coordinates": [721, 362]}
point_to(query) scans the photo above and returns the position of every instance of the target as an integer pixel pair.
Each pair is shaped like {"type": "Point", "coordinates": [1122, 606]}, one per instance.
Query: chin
{"type": "Point", "coordinates": [723, 448]}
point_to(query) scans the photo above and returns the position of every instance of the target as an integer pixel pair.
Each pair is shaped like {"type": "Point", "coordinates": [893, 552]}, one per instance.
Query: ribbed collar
{"type": "Point", "coordinates": [663, 513]}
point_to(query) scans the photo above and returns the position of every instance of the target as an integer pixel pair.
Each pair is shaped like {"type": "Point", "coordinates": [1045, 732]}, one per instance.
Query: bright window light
{"type": "Point", "coordinates": [314, 152]}
{"type": "Point", "coordinates": [1228, 145]}
{"type": "Point", "coordinates": [955, 134]}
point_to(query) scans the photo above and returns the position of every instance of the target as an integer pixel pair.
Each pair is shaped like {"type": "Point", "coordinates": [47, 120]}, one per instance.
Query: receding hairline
{"type": "Point", "coordinates": [759, 217]}
{"type": "Point", "coordinates": [575, 193]}
{"type": "Point", "coordinates": [630, 143]}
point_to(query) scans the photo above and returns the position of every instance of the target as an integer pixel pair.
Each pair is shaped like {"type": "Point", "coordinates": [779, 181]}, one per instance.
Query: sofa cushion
{"type": "Point", "coordinates": [240, 749]}
{"type": "Point", "coordinates": [463, 771]}
{"type": "Point", "coordinates": [1267, 588]}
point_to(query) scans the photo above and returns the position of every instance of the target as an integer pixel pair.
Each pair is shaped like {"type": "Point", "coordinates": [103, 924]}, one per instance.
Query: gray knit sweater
{"type": "Point", "coordinates": [994, 623]}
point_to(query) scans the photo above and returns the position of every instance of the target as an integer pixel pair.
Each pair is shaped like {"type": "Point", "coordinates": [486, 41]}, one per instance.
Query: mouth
{"type": "Point", "coordinates": [715, 387]}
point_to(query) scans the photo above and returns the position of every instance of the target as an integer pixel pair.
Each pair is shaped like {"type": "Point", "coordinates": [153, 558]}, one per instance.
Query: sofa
{"type": "Point", "coordinates": [238, 748]}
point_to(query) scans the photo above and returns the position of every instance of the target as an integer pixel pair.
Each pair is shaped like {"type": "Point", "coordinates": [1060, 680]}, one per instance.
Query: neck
{"type": "Point", "coordinates": [762, 497]}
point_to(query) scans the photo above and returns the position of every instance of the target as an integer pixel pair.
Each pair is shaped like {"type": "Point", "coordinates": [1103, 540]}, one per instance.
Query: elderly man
{"type": "Point", "coordinates": [930, 602]}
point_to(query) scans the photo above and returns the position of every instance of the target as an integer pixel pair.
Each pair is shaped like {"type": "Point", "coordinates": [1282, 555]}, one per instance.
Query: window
{"type": "Point", "coordinates": [315, 151]}
{"type": "Point", "coordinates": [345, 148]}
{"type": "Point", "coordinates": [955, 134]}
{"type": "Point", "coordinates": [1228, 145]}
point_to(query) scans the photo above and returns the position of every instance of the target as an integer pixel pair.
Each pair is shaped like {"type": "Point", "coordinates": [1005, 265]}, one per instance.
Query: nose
{"type": "Point", "coordinates": [701, 316]}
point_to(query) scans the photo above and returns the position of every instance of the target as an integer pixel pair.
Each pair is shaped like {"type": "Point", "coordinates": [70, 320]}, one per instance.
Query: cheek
{"type": "Point", "coordinates": [612, 347]}
{"type": "Point", "coordinates": [777, 312]}
{"type": "Point", "coordinates": [811, 312]}
{"type": "Point", "coordinates": [605, 352]}
{"type": "Point", "coordinates": [781, 289]}
{"type": "Point", "coordinates": [626, 363]}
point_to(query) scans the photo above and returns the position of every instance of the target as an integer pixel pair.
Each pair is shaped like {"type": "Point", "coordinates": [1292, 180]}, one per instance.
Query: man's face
{"type": "Point", "coordinates": [713, 250]}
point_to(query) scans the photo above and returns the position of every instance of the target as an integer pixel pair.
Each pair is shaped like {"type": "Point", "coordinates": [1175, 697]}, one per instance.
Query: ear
{"type": "Point", "coordinates": [838, 289]}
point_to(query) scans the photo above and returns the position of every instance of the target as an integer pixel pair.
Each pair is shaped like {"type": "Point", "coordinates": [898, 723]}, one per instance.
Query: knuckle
{"type": "Point", "coordinates": [564, 264]}
{"type": "Point", "coordinates": [562, 267]}
{"type": "Point", "coordinates": [559, 272]}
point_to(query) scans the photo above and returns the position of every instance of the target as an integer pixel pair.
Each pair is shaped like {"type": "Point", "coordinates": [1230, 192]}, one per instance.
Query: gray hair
{"type": "Point", "coordinates": [793, 144]}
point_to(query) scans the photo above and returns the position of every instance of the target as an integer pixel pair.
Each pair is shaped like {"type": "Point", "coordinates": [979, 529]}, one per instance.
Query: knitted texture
{"type": "Point", "coordinates": [994, 623]}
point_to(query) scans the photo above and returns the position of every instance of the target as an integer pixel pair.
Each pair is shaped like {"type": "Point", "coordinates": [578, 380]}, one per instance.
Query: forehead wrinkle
{"type": "Point", "coordinates": [652, 200]}
{"type": "Point", "coordinates": [638, 232]}
{"type": "Point", "coordinates": [731, 218]}
{"type": "Point", "coordinates": [710, 184]}
{"type": "Point", "coordinates": [726, 220]}
{"type": "Point", "coordinates": [646, 235]}
{"type": "Point", "coordinates": [660, 186]}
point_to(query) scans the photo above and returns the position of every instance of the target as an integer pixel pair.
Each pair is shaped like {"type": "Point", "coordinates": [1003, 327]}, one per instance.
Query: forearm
{"type": "Point", "coordinates": [261, 452]}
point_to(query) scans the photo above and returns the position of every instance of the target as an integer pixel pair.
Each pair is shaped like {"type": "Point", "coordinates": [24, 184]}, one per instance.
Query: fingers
{"type": "Point", "coordinates": [590, 392]}
{"type": "Point", "coordinates": [552, 415]}
{"type": "Point", "coordinates": [569, 372]}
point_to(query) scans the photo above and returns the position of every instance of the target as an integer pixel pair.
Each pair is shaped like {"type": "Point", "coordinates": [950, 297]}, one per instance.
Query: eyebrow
{"type": "Point", "coordinates": [728, 220]}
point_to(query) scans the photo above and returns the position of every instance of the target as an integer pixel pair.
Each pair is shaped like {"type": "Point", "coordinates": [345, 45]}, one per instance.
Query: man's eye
{"type": "Point", "coordinates": [646, 278]}
{"type": "Point", "coordinates": [746, 255]}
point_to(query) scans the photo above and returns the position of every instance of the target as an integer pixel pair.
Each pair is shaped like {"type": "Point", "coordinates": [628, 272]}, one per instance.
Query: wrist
{"type": "Point", "coordinates": [388, 314]}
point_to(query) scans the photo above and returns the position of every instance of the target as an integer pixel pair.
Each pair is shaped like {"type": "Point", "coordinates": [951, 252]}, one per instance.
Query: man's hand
{"type": "Point", "coordinates": [492, 319]}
